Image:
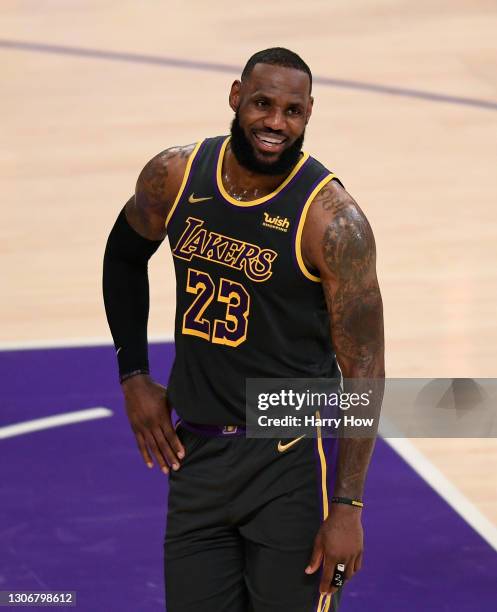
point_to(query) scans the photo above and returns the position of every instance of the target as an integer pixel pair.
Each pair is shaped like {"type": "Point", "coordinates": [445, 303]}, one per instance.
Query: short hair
{"type": "Point", "coordinates": [277, 56]}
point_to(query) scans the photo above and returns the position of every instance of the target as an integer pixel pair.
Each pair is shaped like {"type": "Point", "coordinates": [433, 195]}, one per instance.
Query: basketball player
{"type": "Point", "coordinates": [275, 272]}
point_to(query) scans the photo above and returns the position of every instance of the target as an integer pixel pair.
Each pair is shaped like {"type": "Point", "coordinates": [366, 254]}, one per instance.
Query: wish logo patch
{"type": "Point", "coordinates": [279, 223]}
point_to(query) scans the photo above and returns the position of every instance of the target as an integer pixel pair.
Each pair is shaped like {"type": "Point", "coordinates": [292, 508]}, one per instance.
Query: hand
{"type": "Point", "coordinates": [149, 415]}
{"type": "Point", "coordinates": [339, 540]}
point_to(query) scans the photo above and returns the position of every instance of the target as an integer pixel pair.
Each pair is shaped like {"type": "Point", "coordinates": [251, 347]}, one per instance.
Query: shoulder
{"type": "Point", "coordinates": [156, 189]}
{"type": "Point", "coordinates": [337, 235]}
{"type": "Point", "coordinates": [160, 179]}
{"type": "Point", "coordinates": [333, 207]}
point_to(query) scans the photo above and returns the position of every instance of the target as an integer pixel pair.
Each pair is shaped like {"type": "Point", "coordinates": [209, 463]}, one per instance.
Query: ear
{"type": "Point", "coordinates": [309, 109]}
{"type": "Point", "coordinates": [234, 98]}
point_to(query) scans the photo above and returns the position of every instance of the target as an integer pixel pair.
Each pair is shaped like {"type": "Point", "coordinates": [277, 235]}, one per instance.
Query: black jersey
{"type": "Point", "coordinates": [246, 304]}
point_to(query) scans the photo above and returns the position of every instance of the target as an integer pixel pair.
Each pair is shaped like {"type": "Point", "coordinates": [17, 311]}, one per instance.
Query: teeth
{"type": "Point", "coordinates": [270, 140]}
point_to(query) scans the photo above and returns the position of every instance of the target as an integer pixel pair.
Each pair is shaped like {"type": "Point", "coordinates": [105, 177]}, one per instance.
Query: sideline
{"type": "Point", "coordinates": [447, 491]}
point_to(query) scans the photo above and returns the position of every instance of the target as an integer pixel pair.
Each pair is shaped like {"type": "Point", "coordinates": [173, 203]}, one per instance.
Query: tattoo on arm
{"type": "Point", "coordinates": [348, 261]}
{"type": "Point", "coordinates": [155, 191]}
{"type": "Point", "coordinates": [353, 297]}
{"type": "Point", "coordinates": [354, 455]}
{"type": "Point", "coordinates": [329, 198]}
{"type": "Point", "coordinates": [152, 181]}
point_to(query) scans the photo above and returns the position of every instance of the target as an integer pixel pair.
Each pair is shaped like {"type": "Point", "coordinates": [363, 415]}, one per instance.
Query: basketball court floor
{"type": "Point", "coordinates": [406, 115]}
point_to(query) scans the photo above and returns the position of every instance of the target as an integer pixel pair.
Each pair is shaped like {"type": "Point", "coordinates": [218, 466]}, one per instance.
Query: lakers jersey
{"type": "Point", "coordinates": [246, 304]}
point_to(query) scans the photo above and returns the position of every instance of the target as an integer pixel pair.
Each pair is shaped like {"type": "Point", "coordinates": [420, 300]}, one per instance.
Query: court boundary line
{"type": "Point", "coordinates": [55, 420]}
{"type": "Point", "coordinates": [445, 489]}
{"type": "Point", "coordinates": [172, 62]}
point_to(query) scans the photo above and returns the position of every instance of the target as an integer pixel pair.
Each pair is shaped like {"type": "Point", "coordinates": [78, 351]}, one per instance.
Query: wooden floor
{"type": "Point", "coordinates": [405, 113]}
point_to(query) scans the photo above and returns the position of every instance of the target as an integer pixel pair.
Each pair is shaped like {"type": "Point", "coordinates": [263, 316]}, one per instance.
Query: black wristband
{"type": "Point", "coordinates": [348, 501]}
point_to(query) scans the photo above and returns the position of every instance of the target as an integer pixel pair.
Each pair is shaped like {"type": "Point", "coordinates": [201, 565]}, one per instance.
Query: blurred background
{"type": "Point", "coordinates": [405, 113]}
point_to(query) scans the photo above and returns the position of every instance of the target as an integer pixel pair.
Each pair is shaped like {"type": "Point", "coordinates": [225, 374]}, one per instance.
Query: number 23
{"type": "Point", "coordinates": [231, 331]}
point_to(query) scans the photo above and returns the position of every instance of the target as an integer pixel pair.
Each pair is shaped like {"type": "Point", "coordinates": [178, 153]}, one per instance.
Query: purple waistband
{"type": "Point", "coordinates": [214, 430]}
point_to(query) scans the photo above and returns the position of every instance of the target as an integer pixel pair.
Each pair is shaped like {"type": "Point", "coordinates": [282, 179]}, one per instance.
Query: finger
{"type": "Point", "coordinates": [152, 444]}
{"type": "Point", "coordinates": [325, 585]}
{"type": "Point", "coordinates": [358, 562]}
{"type": "Point", "coordinates": [173, 440]}
{"type": "Point", "coordinates": [350, 569]}
{"type": "Point", "coordinates": [166, 451]}
{"type": "Point", "coordinates": [346, 571]}
{"type": "Point", "coordinates": [142, 447]}
{"type": "Point", "coordinates": [316, 558]}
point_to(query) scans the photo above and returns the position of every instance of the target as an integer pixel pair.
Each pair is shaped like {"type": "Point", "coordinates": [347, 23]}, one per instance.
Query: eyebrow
{"type": "Point", "coordinates": [262, 94]}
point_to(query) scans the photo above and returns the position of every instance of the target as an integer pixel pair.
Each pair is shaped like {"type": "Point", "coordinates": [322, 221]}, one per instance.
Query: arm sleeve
{"type": "Point", "coordinates": [126, 295]}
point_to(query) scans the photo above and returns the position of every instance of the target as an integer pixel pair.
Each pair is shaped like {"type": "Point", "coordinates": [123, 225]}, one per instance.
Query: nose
{"type": "Point", "coordinates": [275, 120]}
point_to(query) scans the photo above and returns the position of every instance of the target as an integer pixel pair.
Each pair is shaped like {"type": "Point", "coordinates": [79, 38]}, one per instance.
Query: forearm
{"type": "Point", "coordinates": [354, 454]}
{"type": "Point", "coordinates": [126, 294]}
{"type": "Point", "coordinates": [357, 330]}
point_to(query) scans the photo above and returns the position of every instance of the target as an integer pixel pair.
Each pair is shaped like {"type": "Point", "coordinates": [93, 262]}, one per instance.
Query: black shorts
{"type": "Point", "coordinates": [242, 519]}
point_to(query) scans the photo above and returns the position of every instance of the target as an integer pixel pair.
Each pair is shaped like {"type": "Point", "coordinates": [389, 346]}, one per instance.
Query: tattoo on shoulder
{"type": "Point", "coordinates": [332, 198]}
{"type": "Point", "coordinates": [152, 181]}
{"type": "Point", "coordinates": [180, 151]}
{"type": "Point", "coordinates": [348, 243]}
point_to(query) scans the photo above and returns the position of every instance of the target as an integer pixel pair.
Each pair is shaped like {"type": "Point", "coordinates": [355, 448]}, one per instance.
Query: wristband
{"type": "Point", "coordinates": [346, 500]}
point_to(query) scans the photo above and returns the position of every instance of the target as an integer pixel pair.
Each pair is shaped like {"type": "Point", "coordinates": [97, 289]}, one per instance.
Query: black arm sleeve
{"type": "Point", "coordinates": [126, 296]}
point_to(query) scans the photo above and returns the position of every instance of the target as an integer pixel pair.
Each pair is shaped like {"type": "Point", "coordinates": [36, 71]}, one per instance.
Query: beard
{"type": "Point", "coordinates": [246, 157]}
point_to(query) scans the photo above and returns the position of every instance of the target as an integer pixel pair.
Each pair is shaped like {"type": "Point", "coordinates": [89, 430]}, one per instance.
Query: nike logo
{"type": "Point", "coordinates": [193, 200]}
{"type": "Point", "coordinates": [283, 447]}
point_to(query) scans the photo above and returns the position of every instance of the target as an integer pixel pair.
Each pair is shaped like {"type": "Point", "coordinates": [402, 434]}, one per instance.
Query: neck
{"type": "Point", "coordinates": [243, 184]}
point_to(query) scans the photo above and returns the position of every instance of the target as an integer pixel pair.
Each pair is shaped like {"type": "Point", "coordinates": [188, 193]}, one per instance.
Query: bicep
{"type": "Point", "coordinates": [356, 324]}
{"type": "Point", "coordinates": [146, 220]}
{"type": "Point", "coordinates": [345, 255]}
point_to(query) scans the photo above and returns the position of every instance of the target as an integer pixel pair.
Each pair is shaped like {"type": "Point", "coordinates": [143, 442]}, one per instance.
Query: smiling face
{"type": "Point", "coordinates": [272, 107]}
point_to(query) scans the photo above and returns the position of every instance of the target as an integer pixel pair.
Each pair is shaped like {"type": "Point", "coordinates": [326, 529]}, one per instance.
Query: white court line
{"type": "Point", "coordinates": [437, 481]}
{"type": "Point", "coordinates": [69, 343]}
{"type": "Point", "coordinates": [56, 420]}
